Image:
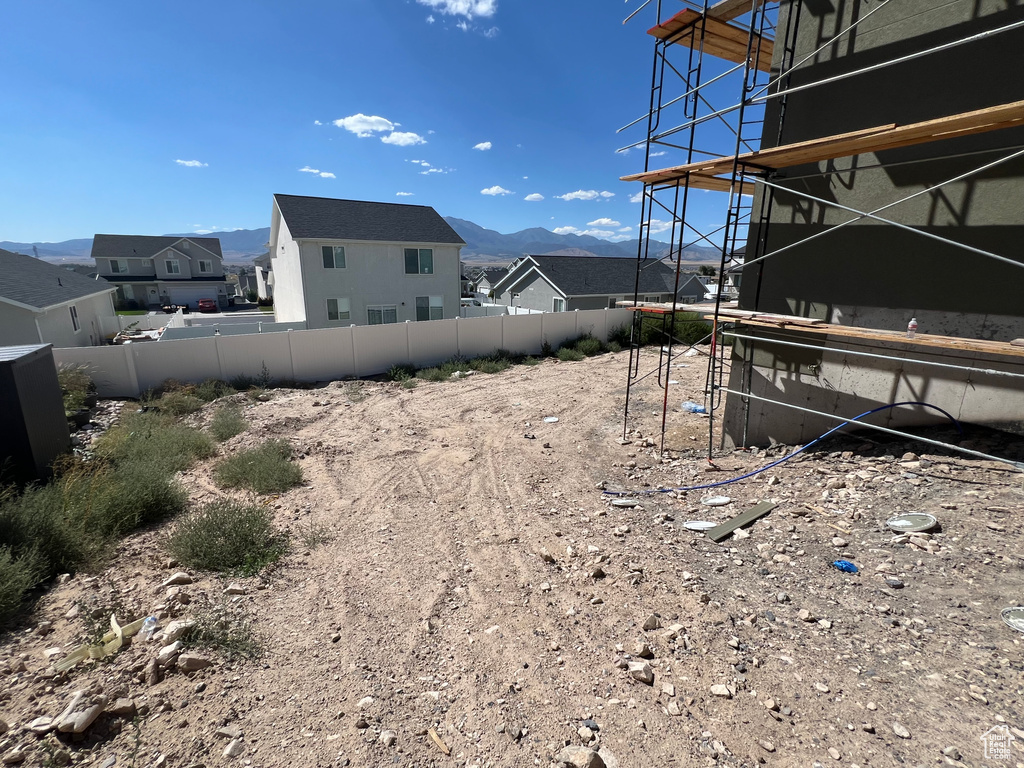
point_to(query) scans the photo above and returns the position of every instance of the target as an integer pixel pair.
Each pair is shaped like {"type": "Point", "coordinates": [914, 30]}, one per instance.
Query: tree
{"type": "Point", "coordinates": [707, 269]}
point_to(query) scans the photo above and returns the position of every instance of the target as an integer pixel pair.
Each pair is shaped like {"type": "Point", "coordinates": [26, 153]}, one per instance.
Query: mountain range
{"type": "Point", "coordinates": [482, 245]}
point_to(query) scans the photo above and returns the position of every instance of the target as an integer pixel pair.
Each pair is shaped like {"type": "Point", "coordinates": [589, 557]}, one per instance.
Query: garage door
{"type": "Point", "coordinates": [191, 294]}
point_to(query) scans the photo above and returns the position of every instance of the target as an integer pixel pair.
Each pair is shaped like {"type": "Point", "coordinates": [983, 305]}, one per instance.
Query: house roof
{"type": "Point", "coordinates": [324, 218]}
{"type": "Point", "coordinates": [602, 275]}
{"type": "Point", "coordinates": [33, 283]}
{"type": "Point", "coordinates": [492, 274]}
{"type": "Point", "coordinates": [145, 246]}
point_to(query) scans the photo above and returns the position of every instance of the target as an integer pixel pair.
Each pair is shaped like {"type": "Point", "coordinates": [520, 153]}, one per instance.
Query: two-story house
{"type": "Point", "coordinates": [352, 262]}
{"type": "Point", "coordinates": [154, 271]}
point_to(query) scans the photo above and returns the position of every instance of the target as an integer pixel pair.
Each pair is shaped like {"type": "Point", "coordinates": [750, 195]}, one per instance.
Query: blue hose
{"type": "Point", "coordinates": [788, 456]}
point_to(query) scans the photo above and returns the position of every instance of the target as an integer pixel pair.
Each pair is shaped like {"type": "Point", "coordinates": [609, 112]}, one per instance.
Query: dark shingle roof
{"type": "Point", "coordinates": [588, 275]}
{"type": "Point", "coordinates": [33, 282]}
{"type": "Point", "coordinates": [144, 246]}
{"type": "Point", "coordinates": [494, 274]}
{"type": "Point", "coordinates": [311, 218]}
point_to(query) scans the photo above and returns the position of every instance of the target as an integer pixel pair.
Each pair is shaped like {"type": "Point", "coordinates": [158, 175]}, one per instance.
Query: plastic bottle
{"type": "Point", "coordinates": [694, 407]}
{"type": "Point", "coordinates": [148, 628]}
{"type": "Point", "coordinates": [912, 328]}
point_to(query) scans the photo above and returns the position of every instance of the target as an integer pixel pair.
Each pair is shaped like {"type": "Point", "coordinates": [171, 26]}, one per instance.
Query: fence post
{"type": "Point", "coordinates": [458, 341]}
{"type": "Point", "coordinates": [220, 363]}
{"type": "Point", "coordinates": [291, 356]}
{"type": "Point", "coordinates": [355, 358]}
{"type": "Point", "coordinates": [577, 321]}
{"type": "Point", "coordinates": [503, 346]}
{"type": "Point", "coordinates": [129, 354]}
{"type": "Point", "coordinates": [408, 343]}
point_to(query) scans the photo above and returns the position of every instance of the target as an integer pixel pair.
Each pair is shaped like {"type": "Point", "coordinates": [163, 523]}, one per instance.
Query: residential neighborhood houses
{"type": "Point", "coordinates": [150, 272]}
{"type": "Point", "coordinates": [351, 262]}
{"type": "Point", "coordinates": [565, 283]}
{"type": "Point", "coordinates": [44, 304]}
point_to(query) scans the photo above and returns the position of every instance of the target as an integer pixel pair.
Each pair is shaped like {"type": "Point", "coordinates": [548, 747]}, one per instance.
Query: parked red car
{"type": "Point", "coordinates": [207, 305]}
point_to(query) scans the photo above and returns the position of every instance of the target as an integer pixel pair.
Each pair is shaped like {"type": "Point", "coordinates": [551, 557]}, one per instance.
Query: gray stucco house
{"type": "Point", "coordinates": [352, 262]}
{"type": "Point", "coordinates": [153, 271]}
{"type": "Point", "coordinates": [564, 283]}
{"type": "Point", "coordinates": [44, 304]}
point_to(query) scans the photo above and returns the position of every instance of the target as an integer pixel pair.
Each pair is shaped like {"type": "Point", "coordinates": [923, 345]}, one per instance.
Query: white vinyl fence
{"type": "Point", "coordinates": [331, 353]}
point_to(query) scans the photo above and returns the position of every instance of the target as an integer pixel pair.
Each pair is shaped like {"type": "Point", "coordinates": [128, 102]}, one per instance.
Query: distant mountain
{"type": "Point", "coordinates": [487, 245]}
{"type": "Point", "coordinates": [482, 245]}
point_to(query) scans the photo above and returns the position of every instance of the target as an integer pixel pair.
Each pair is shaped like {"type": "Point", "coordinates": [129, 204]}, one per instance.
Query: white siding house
{"type": "Point", "coordinates": [349, 262]}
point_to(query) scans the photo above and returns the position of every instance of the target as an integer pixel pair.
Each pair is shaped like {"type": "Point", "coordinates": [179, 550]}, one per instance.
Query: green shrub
{"type": "Point", "coordinates": [36, 525]}
{"type": "Point", "coordinates": [227, 422]}
{"type": "Point", "coordinates": [687, 328]}
{"type": "Point", "coordinates": [17, 576]}
{"type": "Point", "coordinates": [614, 346]}
{"type": "Point", "coordinates": [546, 349]}
{"type": "Point", "coordinates": [589, 346]}
{"type": "Point", "coordinates": [453, 364]}
{"type": "Point", "coordinates": [431, 374]}
{"type": "Point", "coordinates": [227, 535]}
{"type": "Point", "coordinates": [530, 360]}
{"type": "Point", "coordinates": [568, 354]}
{"type": "Point", "coordinates": [620, 335]}
{"type": "Point", "coordinates": [226, 629]}
{"type": "Point", "coordinates": [178, 403]}
{"type": "Point", "coordinates": [409, 383]}
{"type": "Point", "coordinates": [115, 501]}
{"type": "Point", "coordinates": [213, 389]}
{"type": "Point", "coordinates": [265, 469]}
{"type": "Point", "coordinates": [76, 386]}
{"type": "Point", "coordinates": [490, 366]}
{"type": "Point", "coordinates": [155, 438]}
{"type": "Point", "coordinates": [400, 372]}
{"type": "Point", "coordinates": [244, 382]}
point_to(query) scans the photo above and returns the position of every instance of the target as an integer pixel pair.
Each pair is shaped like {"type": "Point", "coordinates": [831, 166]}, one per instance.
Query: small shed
{"type": "Point", "coordinates": [33, 427]}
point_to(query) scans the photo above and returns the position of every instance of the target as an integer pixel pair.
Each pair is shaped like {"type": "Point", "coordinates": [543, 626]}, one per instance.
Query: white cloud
{"type": "Point", "coordinates": [318, 172]}
{"type": "Point", "coordinates": [637, 197]}
{"type": "Point", "coordinates": [601, 233]}
{"type": "Point", "coordinates": [463, 26]}
{"type": "Point", "coordinates": [657, 227]}
{"type": "Point", "coordinates": [404, 194]}
{"type": "Point", "coordinates": [483, 146]}
{"type": "Point", "coordinates": [658, 154]}
{"type": "Point", "coordinates": [495, 190]}
{"type": "Point", "coordinates": [192, 163]}
{"type": "Point", "coordinates": [424, 163]}
{"type": "Point", "coordinates": [492, 32]}
{"type": "Point", "coordinates": [317, 122]}
{"type": "Point", "coordinates": [436, 170]}
{"type": "Point", "coordinates": [365, 125]}
{"type": "Point", "coordinates": [604, 222]}
{"type": "Point", "coordinates": [536, 197]}
{"type": "Point", "coordinates": [430, 19]}
{"type": "Point", "coordinates": [468, 8]}
{"type": "Point", "coordinates": [626, 229]}
{"type": "Point", "coordinates": [203, 231]}
{"type": "Point", "coordinates": [585, 194]}
{"type": "Point", "coordinates": [403, 139]}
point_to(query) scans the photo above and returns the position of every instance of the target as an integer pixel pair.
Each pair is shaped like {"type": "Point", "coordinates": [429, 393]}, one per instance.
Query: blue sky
{"type": "Point", "coordinates": [149, 118]}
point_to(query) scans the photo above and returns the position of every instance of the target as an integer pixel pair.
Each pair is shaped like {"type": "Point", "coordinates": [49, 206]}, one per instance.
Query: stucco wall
{"type": "Point", "coordinates": [289, 288]}
{"type": "Point", "coordinates": [874, 275]}
{"type": "Point", "coordinates": [17, 326]}
{"type": "Point", "coordinates": [534, 293]}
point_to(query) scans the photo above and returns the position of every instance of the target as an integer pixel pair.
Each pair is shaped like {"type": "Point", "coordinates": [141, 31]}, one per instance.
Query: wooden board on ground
{"type": "Point", "coordinates": [760, 509]}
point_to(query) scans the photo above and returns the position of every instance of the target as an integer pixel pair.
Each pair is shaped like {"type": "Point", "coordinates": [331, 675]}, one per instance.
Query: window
{"type": "Point", "coordinates": [334, 256]}
{"type": "Point", "coordinates": [205, 266]}
{"type": "Point", "coordinates": [419, 261]}
{"type": "Point", "coordinates": [74, 318]}
{"type": "Point", "coordinates": [611, 302]}
{"type": "Point", "coordinates": [173, 268]}
{"type": "Point", "coordinates": [430, 307]}
{"type": "Point", "coordinates": [381, 314]}
{"type": "Point", "coordinates": [653, 299]}
{"type": "Point", "coordinates": [338, 309]}
{"type": "Point", "coordinates": [558, 305]}
{"type": "Point", "coordinates": [118, 266]}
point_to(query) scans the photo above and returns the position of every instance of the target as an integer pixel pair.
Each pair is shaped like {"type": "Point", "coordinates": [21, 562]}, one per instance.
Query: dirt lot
{"type": "Point", "coordinates": [477, 582]}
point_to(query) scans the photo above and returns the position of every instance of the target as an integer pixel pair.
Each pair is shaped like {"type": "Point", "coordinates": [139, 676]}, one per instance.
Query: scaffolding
{"type": "Point", "coordinates": [710, 51]}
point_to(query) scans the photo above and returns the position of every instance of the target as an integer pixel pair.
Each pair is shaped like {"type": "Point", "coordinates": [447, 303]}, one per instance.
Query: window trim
{"type": "Point", "coordinates": [115, 266]}
{"type": "Point", "coordinates": [208, 271]}
{"type": "Point", "coordinates": [381, 308]}
{"type": "Point", "coordinates": [612, 301]}
{"type": "Point", "coordinates": [430, 307]}
{"type": "Point", "coordinates": [177, 266]}
{"type": "Point", "coordinates": [333, 256]}
{"type": "Point", "coordinates": [655, 299]}
{"type": "Point", "coordinates": [419, 260]}
{"type": "Point", "coordinates": [73, 310]}
{"type": "Point", "coordinates": [347, 312]}
{"type": "Point", "coordinates": [554, 304]}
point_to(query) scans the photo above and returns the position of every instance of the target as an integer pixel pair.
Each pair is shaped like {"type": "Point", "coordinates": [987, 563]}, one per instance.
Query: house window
{"type": "Point", "coordinates": [74, 318]}
{"type": "Point", "coordinates": [611, 302]}
{"type": "Point", "coordinates": [381, 314]}
{"type": "Point", "coordinates": [430, 307]}
{"type": "Point", "coordinates": [338, 309]}
{"type": "Point", "coordinates": [654, 299]}
{"type": "Point", "coordinates": [173, 268]}
{"type": "Point", "coordinates": [118, 266]}
{"type": "Point", "coordinates": [419, 261]}
{"type": "Point", "coordinates": [558, 305]}
{"type": "Point", "coordinates": [334, 256]}
{"type": "Point", "coordinates": [205, 266]}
